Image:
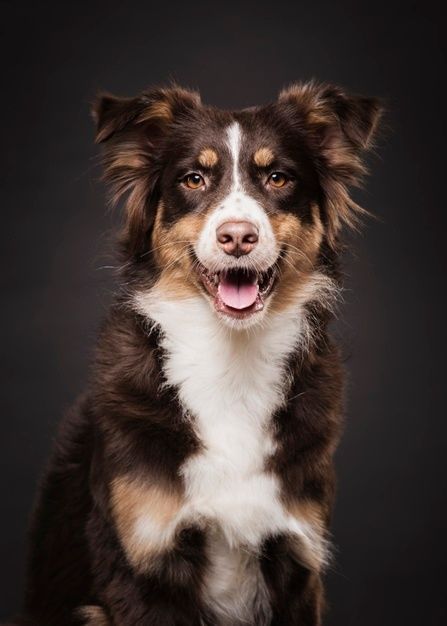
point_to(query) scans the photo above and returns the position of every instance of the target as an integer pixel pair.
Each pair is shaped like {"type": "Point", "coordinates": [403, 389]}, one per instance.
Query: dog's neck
{"type": "Point", "coordinates": [215, 367]}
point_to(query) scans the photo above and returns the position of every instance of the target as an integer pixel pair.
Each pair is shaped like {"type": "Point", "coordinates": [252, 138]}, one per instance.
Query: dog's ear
{"type": "Point", "coordinates": [339, 128]}
{"type": "Point", "coordinates": [132, 131]}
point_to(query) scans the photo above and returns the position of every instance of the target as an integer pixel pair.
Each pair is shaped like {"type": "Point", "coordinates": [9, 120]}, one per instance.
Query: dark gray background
{"type": "Point", "coordinates": [390, 519]}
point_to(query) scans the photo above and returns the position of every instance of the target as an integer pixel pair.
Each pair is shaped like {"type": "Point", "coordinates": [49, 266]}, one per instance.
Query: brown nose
{"type": "Point", "coordinates": [237, 238]}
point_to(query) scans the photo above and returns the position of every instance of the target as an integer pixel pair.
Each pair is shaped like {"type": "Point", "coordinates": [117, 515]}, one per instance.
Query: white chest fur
{"type": "Point", "coordinates": [230, 384]}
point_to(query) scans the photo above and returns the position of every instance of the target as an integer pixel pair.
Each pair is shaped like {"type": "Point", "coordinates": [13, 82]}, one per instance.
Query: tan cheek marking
{"type": "Point", "coordinates": [133, 501]}
{"type": "Point", "coordinates": [171, 249]}
{"type": "Point", "coordinates": [302, 243]}
{"type": "Point", "coordinates": [263, 157]}
{"type": "Point", "coordinates": [208, 157]}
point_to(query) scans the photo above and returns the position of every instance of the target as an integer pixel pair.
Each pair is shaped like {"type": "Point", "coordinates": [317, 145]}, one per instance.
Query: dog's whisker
{"type": "Point", "coordinates": [297, 251]}
{"type": "Point", "coordinates": [165, 245]}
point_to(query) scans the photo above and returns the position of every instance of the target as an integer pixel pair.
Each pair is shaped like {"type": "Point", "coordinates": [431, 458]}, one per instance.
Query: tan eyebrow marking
{"type": "Point", "coordinates": [208, 157]}
{"type": "Point", "coordinates": [263, 157]}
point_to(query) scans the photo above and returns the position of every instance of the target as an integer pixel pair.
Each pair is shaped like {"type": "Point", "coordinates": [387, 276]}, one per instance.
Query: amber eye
{"type": "Point", "coordinates": [277, 179]}
{"type": "Point", "coordinates": [193, 181]}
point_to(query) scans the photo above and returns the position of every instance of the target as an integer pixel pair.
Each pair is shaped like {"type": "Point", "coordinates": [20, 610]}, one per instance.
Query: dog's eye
{"type": "Point", "coordinates": [193, 181]}
{"type": "Point", "coordinates": [277, 179]}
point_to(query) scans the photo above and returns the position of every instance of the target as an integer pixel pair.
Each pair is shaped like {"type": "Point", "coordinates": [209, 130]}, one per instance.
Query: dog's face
{"type": "Point", "coordinates": [240, 207]}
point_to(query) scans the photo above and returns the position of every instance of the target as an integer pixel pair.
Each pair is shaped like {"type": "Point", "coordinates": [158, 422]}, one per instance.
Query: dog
{"type": "Point", "coordinates": [193, 482]}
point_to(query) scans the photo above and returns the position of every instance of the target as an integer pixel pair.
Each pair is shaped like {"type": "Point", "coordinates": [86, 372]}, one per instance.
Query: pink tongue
{"type": "Point", "coordinates": [239, 294]}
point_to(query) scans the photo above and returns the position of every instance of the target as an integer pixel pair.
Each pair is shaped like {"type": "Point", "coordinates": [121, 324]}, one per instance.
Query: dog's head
{"type": "Point", "coordinates": [241, 207]}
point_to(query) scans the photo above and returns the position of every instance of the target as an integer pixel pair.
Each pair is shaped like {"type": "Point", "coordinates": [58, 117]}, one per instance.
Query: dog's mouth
{"type": "Point", "coordinates": [239, 292]}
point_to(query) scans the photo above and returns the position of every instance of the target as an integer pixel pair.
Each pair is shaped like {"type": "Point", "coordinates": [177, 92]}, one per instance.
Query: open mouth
{"type": "Point", "coordinates": [238, 293]}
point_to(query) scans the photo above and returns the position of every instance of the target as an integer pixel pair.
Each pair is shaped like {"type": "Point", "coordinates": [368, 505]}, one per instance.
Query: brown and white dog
{"type": "Point", "coordinates": [193, 482]}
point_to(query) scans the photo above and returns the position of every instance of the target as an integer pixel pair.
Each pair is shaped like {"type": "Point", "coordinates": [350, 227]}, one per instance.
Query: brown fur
{"type": "Point", "coordinates": [120, 451]}
{"type": "Point", "coordinates": [326, 110]}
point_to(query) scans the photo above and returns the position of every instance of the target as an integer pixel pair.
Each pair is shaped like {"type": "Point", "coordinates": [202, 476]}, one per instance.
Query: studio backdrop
{"type": "Point", "coordinates": [58, 272]}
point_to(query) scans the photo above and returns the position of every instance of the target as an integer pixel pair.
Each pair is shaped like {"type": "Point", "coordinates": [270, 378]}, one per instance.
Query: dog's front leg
{"type": "Point", "coordinates": [295, 588]}
{"type": "Point", "coordinates": [158, 589]}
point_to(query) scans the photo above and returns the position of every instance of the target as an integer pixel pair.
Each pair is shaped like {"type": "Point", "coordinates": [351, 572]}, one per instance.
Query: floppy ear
{"type": "Point", "coordinates": [131, 130]}
{"type": "Point", "coordinates": [339, 129]}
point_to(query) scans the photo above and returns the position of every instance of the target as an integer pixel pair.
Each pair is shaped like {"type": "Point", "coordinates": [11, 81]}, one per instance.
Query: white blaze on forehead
{"type": "Point", "coordinates": [234, 141]}
{"type": "Point", "coordinates": [237, 205]}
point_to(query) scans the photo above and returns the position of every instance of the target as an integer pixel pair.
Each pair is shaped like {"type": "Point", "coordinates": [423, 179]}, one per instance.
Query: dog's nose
{"type": "Point", "coordinates": [237, 238]}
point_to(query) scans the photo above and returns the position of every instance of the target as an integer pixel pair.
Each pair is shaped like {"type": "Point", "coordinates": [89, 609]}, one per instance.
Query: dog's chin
{"type": "Point", "coordinates": [239, 296]}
